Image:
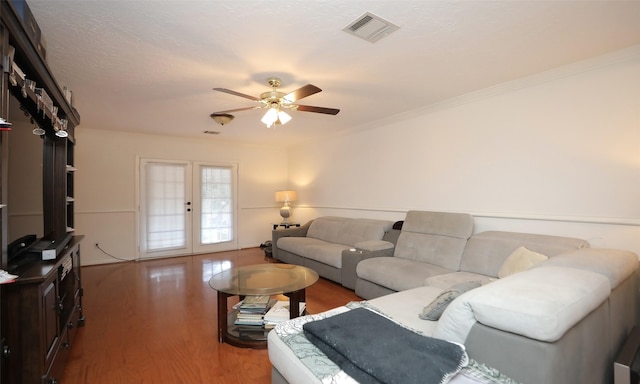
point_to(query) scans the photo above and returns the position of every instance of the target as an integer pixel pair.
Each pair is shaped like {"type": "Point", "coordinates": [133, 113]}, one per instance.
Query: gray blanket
{"type": "Point", "coordinates": [374, 349]}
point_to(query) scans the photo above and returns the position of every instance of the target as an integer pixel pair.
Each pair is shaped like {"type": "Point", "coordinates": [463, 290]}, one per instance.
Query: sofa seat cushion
{"type": "Point", "coordinates": [448, 280]}
{"type": "Point", "coordinates": [397, 273]}
{"type": "Point", "coordinates": [434, 309]}
{"type": "Point", "coordinates": [541, 303]}
{"type": "Point", "coordinates": [314, 249]}
{"type": "Point", "coordinates": [405, 306]}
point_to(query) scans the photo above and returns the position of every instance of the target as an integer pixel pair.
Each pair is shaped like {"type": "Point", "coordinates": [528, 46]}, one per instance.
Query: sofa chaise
{"type": "Point", "coordinates": [542, 309]}
{"type": "Point", "coordinates": [333, 246]}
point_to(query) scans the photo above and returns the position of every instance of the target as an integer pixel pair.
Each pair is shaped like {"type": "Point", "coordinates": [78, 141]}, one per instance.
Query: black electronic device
{"type": "Point", "coordinates": [18, 246]}
{"type": "Point", "coordinates": [17, 252]}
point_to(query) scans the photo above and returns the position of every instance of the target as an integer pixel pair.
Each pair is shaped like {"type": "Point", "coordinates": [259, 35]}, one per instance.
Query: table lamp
{"type": "Point", "coordinates": [286, 197]}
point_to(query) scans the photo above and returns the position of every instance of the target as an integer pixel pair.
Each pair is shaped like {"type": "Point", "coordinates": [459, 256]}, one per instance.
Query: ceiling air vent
{"type": "Point", "coordinates": [211, 132]}
{"type": "Point", "coordinates": [370, 27]}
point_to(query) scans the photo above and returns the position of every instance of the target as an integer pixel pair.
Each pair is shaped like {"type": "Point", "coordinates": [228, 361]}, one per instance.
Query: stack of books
{"type": "Point", "coordinates": [252, 309]}
{"type": "Point", "coordinates": [279, 312]}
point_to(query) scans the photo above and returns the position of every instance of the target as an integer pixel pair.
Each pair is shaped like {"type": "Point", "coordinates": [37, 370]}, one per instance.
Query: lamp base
{"type": "Point", "coordinates": [285, 212]}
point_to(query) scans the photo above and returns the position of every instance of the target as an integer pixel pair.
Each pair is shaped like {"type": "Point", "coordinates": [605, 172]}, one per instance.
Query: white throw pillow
{"type": "Point", "coordinates": [520, 260]}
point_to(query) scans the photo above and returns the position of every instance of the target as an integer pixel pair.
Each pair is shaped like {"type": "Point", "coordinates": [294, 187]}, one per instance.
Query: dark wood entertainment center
{"type": "Point", "coordinates": [42, 310]}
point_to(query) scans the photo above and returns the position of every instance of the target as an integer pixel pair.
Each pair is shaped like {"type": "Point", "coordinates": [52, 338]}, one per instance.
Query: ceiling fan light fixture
{"type": "Point", "coordinates": [274, 102]}
{"type": "Point", "coordinates": [283, 117]}
{"type": "Point", "coordinates": [275, 116]}
{"type": "Point", "coordinates": [222, 118]}
{"type": "Point", "coordinates": [270, 117]}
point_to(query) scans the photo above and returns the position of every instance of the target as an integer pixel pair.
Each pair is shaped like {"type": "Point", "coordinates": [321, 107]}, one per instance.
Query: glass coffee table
{"type": "Point", "coordinates": [254, 280]}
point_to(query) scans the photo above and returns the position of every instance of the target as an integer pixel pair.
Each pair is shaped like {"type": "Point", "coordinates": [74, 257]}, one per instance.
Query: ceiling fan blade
{"type": "Point", "coordinates": [234, 110]}
{"type": "Point", "coordinates": [225, 90]}
{"type": "Point", "coordinates": [301, 92]}
{"type": "Point", "coordinates": [309, 108]}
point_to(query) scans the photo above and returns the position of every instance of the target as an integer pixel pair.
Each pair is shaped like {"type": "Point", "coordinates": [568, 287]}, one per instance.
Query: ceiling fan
{"type": "Point", "coordinates": [276, 102]}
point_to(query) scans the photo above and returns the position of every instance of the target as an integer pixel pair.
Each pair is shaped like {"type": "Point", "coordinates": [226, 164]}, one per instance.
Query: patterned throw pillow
{"type": "Point", "coordinates": [434, 310]}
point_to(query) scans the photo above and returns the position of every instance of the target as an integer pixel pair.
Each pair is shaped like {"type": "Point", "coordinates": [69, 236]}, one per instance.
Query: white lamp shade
{"type": "Point", "coordinates": [283, 117]}
{"type": "Point", "coordinates": [270, 117]}
{"type": "Point", "coordinates": [275, 116]}
{"type": "Point", "coordinates": [286, 196]}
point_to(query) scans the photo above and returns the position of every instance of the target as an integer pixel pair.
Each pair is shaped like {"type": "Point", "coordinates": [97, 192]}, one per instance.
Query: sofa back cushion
{"type": "Point", "coordinates": [614, 264]}
{"type": "Point", "coordinates": [348, 231]}
{"type": "Point", "coordinates": [326, 228]}
{"type": "Point", "coordinates": [436, 238]}
{"type": "Point", "coordinates": [486, 251]}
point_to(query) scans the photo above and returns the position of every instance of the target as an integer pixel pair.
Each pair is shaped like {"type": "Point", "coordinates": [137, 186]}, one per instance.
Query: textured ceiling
{"type": "Point", "coordinates": [150, 66]}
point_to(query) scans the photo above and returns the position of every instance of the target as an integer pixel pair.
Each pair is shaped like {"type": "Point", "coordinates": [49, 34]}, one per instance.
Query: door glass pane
{"type": "Point", "coordinates": [165, 206]}
{"type": "Point", "coordinates": [216, 204]}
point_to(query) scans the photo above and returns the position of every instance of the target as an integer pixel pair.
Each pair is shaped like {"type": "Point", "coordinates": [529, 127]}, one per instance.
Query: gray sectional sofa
{"type": "Point", "coordinates": [547, 309]}
{"type": "Point", "coordinates": [429, 244]}
{"type": "Point", "coordinates": [437, 248]}
{"type": "Point", "coordinates": [333, 246]}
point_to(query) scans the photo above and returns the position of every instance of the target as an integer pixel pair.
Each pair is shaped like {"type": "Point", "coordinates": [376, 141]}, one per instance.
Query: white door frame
{"type": "Point", "coordinates": [232, 244]}
{"type": "Point", "coordinates": [192, 225]}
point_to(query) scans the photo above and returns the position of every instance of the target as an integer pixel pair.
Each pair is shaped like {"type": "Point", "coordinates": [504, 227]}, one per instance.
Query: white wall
{"type": "Point", "coordinates": [105, 186]}
{"type": "Point", "coordinates": [556, 153]}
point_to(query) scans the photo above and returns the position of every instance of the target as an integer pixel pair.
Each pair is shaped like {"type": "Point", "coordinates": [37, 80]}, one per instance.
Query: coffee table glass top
{"type": "Point", "coordinates": [263, 279]}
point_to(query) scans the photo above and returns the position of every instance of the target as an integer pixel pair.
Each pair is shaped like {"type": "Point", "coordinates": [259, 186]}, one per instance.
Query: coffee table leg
{"type": "Point", "coordinates": [222, 316]}
{"type": "Point", "coordinates": [295, 298]}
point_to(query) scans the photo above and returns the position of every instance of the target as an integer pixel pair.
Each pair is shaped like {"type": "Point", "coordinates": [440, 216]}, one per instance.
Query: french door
{"type": "Point", "coordinates": [186, 207]}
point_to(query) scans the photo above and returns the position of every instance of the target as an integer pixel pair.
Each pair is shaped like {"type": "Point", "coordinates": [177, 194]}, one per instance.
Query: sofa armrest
{"type": "Point", "coordinates": [540, 303]}
{"type": "Point", "coordinates": [364, 250]}
{"type": "Point", "coordinates": [374, 246]}
{"type": "Point", "coordinates": [289, 232]}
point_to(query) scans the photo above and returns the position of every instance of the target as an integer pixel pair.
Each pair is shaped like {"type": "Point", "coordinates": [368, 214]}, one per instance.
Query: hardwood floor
{"type": "Point", "coordinates": [155, 322]}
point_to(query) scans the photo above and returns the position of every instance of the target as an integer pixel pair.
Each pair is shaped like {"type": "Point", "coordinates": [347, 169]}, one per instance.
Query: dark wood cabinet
{"type": "Point", "coordinates": [43, 312]}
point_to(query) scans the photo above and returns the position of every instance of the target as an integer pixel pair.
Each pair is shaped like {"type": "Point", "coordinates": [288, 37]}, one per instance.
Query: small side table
{"type": "Point", "coordinates": [285, 225]}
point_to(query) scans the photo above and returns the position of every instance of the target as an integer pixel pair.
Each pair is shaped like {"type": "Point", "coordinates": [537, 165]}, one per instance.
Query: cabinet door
{"type": "Point", "coordinates": [50, 318]}
{"type": "Point", "coordinates": [78, 292]}
{"type": "Point", "coordinates": [56, 369]}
